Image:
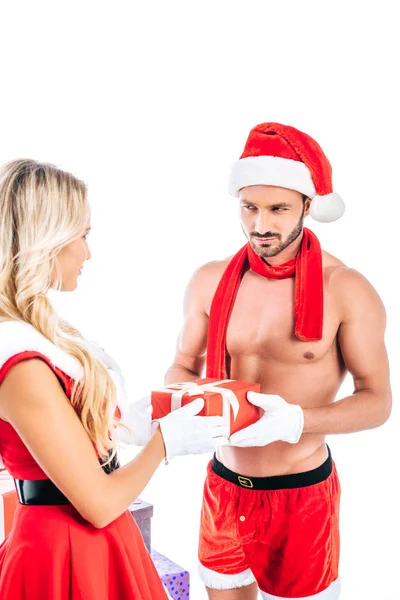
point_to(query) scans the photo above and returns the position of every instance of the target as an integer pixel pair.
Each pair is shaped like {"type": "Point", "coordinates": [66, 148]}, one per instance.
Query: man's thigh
{"type": "Point", "coordinates": [249, 592]}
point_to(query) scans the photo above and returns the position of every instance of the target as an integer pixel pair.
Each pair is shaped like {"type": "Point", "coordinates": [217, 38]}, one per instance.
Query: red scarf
{"type": "Point", "coordinates": [308, 299]}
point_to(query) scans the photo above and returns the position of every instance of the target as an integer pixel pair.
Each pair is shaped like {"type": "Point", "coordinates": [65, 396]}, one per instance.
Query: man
{"type": "Point", "coordinates": [295, 319]}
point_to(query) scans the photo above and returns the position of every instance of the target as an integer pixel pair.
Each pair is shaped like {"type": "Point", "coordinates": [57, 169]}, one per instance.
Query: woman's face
{"type": "Point", "coordinates": [71, 259]}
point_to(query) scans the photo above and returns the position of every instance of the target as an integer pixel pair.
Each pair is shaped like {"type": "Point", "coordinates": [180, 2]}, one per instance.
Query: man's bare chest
{"type": "Point", "coordinates": [262, 322]}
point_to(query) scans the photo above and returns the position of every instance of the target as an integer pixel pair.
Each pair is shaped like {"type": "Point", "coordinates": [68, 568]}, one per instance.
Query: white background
{"type": "Point", "coordinates": [150, 103]}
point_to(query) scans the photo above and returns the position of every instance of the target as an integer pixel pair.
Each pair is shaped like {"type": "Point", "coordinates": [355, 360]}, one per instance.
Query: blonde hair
{"type": "Point", "coordinates": [42, 209]}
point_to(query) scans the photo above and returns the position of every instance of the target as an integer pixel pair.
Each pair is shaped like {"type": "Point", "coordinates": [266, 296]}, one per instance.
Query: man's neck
{"type": "Point", "coordinates": [287, 254]}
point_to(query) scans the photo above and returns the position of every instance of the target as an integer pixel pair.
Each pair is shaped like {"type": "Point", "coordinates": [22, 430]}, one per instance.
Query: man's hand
{"type": "Point", "coordinates": [280, 421]}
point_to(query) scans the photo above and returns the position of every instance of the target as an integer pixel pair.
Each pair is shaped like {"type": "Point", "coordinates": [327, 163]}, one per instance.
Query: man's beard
{"type": "Point", "coordinates": [268, 251]}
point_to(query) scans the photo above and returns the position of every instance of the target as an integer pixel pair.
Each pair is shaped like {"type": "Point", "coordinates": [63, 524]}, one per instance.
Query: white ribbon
{"type": "Point", "coordinates": [179, 390]}
{"type": "Point", "coordinates": [192, 388]}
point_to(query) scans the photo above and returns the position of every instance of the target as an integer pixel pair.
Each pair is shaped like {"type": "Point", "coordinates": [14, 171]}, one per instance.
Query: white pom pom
{"type": "Point", "coordinates": [326, 209]}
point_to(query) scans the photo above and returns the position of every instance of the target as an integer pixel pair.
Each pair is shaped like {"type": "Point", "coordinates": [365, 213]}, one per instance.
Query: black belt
{"type": "Point", "coordinates": [39, 492]}
{"type": "Point", "coordinates": [276, 482]}
{"type": "Point", "coordinates": [43, 492]}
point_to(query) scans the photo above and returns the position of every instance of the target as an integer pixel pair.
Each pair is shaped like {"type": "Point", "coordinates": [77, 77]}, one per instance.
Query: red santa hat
{"type": "Point", "coordinates": [281, 155]}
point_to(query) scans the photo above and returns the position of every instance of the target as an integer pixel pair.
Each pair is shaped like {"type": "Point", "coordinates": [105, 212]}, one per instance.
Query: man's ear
{"type": "Point", "coordinates": [307, 206]}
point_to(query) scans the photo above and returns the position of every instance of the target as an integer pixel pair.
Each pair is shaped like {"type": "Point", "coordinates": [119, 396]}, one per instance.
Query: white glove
{"type": "Point", "coordinates": [184, 433]}
{"type": "Point", "coordinates": [280, 421]}
{"type": "Point", "coordinates": [137, 416]}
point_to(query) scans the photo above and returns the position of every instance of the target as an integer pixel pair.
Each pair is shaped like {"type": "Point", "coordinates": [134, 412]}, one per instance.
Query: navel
{"type": "Point", "coordinates": [308, 355]}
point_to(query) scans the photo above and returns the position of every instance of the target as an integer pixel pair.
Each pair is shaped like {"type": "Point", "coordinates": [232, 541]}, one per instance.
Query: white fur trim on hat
{"type": "Point", "coordinates": [328, 208]}
{"type": "Point", "coordinates": [271, 170]}
{"type": "Point", "coordinates": [331, 593]}
{"type": "Point", "coordinates": [221, 581]}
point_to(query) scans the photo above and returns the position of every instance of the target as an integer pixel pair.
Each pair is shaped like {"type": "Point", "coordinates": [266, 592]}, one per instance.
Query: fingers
{"type": "Point", "coordinates": [213, 421]}
{"type": "Point", "coordinates": [220, 441]}
{"type": "Point", "coordinates": [194, 407]}
{"type": "Point", "coordinates": [238, 438]}
{"type": "Point", "coordinates": [266, 401]}
{"type": "Point", "coordinates": [255, 398]}
{"type": "Point", "coordinates": [221, 431]}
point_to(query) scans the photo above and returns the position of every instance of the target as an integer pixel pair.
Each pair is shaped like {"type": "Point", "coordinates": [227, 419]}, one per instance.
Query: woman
{"type": "Point", "coordinates": [61, 401]}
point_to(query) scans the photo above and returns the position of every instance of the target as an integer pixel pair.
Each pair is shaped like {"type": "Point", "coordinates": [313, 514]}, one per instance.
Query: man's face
{"type": "Point", "coordinates": [271, 217]}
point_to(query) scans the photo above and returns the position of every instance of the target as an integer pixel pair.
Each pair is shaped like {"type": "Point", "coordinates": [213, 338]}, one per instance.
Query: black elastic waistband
{"type": "Point", "coordinates": [43, 492]}
{"type": "Point", "coordinates": [39, 492]}
{"type": "Point", "coordinates": [275, 482]}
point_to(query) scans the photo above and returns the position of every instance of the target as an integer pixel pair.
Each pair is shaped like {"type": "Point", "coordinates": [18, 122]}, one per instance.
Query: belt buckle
{"type": "Point", "coordinates": [245, 482]}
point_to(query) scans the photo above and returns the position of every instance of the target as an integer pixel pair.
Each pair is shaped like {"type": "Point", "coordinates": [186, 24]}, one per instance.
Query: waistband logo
{"type": "Point", "coordinates": [245, 481]}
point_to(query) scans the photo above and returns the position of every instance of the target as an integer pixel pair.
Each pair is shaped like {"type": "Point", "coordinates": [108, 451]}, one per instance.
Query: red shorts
{"type": "Point", "coordinates": [282, 532]}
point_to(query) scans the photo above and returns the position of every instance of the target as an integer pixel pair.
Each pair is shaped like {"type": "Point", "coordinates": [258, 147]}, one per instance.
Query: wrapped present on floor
{"type": "Point", "coordinates": [175, 579]}
{"type": "Point", "coordinates": [225, 398]}
{"type": "Point", "coordinates": [8, 503]}
{"type": "Point", "coordinates": [142, 513]}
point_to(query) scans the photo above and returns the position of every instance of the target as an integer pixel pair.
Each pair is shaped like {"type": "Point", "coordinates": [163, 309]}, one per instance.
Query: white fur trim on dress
{"type": "Point", "coordinates": [331, 593]}
{"type": "Point", "coordinates": [17, 337]}
{"type": "Point", "coordinates": [220, 581]}
{"type": "Point", "coordinates": [271, 170]}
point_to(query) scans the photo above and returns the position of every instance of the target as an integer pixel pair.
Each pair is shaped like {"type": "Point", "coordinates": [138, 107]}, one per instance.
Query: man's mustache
{"type": "Point", "coordinates": [265, 236]}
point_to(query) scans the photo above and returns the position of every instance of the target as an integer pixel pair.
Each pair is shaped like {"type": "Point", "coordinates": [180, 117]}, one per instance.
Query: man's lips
{"type": "Point", "coordinates": [264, 240]}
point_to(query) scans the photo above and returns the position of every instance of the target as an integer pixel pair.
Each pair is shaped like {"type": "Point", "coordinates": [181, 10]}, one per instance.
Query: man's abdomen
{"type": "Point", "coordinates": [279, 458]}
{"type": "Point", "coordinates": [310, 385]}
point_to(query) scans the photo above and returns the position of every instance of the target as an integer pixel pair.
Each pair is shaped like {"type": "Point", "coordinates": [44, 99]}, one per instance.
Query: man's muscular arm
{"type": "Point", "coordinates": [192, 342]}
{"type": "Point", "coordinates": [361, 340]}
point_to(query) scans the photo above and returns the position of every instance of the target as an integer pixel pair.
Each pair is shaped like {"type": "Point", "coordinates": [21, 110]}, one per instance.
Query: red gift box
{"type": "Point", "coordinates": [225, 397]}
{"type": "Point", "coordinates": [8, 503]}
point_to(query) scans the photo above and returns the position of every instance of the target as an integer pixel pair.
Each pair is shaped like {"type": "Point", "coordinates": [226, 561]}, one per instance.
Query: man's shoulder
{"type": "Point", "coordinates": [351, 290]}
{"type": "Point", "coordinates": [343, 279]}
{"type": "Point", "coordinates": [338, 273]}
{"type": "Point", "coordinates": [331, 262]}
{"type": "Point", "coordinates": [214, 268]}
{"type": "Point", "coordinates": [205, 280]}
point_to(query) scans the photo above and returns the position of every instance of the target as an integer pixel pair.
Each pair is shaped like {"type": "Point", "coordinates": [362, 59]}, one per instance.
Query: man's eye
{"type": "Point", "coordinates": [278, 208]}
{"type": "Point", "coordinates": [249, 206]}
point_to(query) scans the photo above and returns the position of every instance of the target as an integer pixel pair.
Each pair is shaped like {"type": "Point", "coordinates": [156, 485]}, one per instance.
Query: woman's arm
{"type": "Point", "coordinates": [33, 401]}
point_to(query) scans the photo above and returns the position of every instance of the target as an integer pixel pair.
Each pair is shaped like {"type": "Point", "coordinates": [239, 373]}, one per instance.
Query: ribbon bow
{"type": "Point", "coordinates": [192, 388]}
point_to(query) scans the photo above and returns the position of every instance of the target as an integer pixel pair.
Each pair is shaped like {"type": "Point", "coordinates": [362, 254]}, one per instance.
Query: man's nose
{"type": "Point", "coordinates": [263, 224]}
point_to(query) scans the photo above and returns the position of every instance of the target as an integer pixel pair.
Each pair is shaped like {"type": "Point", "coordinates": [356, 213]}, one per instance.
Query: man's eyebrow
{"type": "Point", "coordinates": [281, 205]}
{"type": "Point", "coordinates": [245, 201]}
{"type": "Point", "coordinates": [276, 205]}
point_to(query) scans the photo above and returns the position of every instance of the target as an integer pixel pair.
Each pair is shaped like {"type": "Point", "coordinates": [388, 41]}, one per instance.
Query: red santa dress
{"type": "Point", "coordinates": [52, 552]}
